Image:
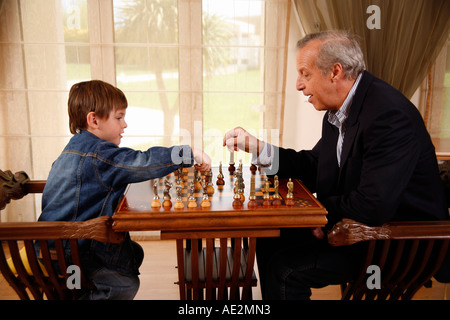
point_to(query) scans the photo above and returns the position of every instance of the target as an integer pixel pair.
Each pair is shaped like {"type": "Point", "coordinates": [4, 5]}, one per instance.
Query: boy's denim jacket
{"type": "Point", "coordinates": [87, 181]}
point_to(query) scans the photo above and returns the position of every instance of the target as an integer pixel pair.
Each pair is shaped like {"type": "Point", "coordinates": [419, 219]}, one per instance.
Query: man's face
{"type": "Point", "coordinates": [318, 87]}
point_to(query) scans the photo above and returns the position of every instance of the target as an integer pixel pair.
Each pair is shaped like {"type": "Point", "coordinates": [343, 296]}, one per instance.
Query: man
{"type": "Point", "coordinates": [374, 163]}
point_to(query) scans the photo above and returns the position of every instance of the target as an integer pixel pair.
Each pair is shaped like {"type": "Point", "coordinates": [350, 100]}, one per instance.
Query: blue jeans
{"type": "Point", "coordinates": [112, 285]}
{"type": "Point", "coordinates": [289, 266]}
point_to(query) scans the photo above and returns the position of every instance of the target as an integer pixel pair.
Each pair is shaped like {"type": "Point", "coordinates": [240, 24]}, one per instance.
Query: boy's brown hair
{"type": "Point", "coordinates": [93, 96]}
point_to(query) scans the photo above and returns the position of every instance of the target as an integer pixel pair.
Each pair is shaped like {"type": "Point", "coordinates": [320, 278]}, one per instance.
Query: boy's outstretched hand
{"type": "Point", "coordinates": [202, 159]}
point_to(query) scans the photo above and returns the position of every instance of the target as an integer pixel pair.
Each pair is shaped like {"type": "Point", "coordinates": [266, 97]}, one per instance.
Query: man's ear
{"type": "Point", "coordinates": [337, 72]}
{"type": "Point", "coordinates": [91, 120]}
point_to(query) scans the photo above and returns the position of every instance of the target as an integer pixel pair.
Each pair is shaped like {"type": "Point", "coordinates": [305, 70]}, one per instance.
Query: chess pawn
{"type": "Point", "coordinates": [290, 195]}
{"type": "Point", "coordinates": [179, 204]}
{"type": "Point", "coordinates": [180, 176]}
{"type": "Point", "coordinates": [155, 202]}
{"type": "Point", "coordinates": [205, 201]}
{"type": "Point", "coordinates": [237, 203]}
{"type": "Point", "coordinates": [252, 202]}
{"type": "Point", "coordinates": [276, 197]}
{"type": "Point", "coordinates": [209, 187]}
{"type": "Point", "coordinates": [197, 180]}
{"type": "Point", "coordinates": [167, 203]}
{"type": "Point", "coordinates": [179, 200]}
{"type": "Point", "coordinates": [266, 195]}
{"type": "Point", "coordinates": [192, 203]}
{"type": "Point", "coordinates": [231, 167]}
{"type": "Point", "coordinates": [220, 181]}
{"type": "Point", "coordinates": [252, 198]}
{"type": "Point", "coordinates": [253, 168]}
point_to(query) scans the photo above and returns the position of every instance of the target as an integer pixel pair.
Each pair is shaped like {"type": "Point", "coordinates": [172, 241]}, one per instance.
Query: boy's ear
{"type": "Point", "coordinates": [91, 120]}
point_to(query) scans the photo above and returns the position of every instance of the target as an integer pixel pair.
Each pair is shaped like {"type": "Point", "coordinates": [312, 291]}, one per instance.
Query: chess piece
{"type": "Point", "coordinates": [253, 168]}
{"type": "Point", "coordinates": [252, 198]}
{"type": "Point", "coordinates": [197, 180]}
{"type": "Point", "coordinates": [266, 195]}
{"type": "Point", "coordinates": [240, 182]}
{"type": "Point", "coordinates": [180, 179]}
{"type": "Point", "coordinates": [179, 200]}
{"type": "Point", "coordinates": [192, 203]}
{"type": "Point", "coordinates": [220, 181]}
{"type": "Point", "coordinates": [290, 195]}
{"type": "Point", "coordinates": [167, 203]}
{"type": "Point", "coordinates": [155, 202]}
{"type": "Point", "coordinates": [237, 202]}
{"type": "Point", "coordinates": [276, 197]}
{"type": "Point", "coordinates": [231, 167]}
{"type": "Point", "coordinates": [209, 186]}
{"type": "Point", "coordinates": [205, 201]}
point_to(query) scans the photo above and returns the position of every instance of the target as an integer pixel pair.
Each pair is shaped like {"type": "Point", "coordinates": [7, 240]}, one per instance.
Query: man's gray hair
{"type": "Point", "coordinates": [337, 47]}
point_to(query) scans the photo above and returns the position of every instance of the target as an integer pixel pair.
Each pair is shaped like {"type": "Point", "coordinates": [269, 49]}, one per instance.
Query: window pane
{"type": "Point", "coordinates": [233, 48]}
{"type": "Point", "coordinates": [146, 21]}
{"type": "Point", "coordinates": [76, 37]}
{"type": "Point", "coordinates": [75, 21]}
{"type": "Point", "coordinates": [146, 53]}
{"type": "Point", "coordinates": [445, 122]}
{"type": "Point", "coordinates": [78, 65]}
{"type": "Point", "coordinates": [147, 68]}
{"type": "Point", "coordinates": [224, 111]}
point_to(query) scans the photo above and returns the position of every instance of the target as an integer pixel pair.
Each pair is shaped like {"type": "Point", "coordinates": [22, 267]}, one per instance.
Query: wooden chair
{"type": "Point", "coordinates": [46, 276]}
{"type": "Point", "coordinates": [212, 272]}
{"type": "Point", "coordinates": [408, 254]}
{"type": "Point", "coordinates": [216, 265]}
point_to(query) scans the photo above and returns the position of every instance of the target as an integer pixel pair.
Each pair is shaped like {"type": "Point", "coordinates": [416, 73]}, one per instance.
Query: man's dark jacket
{"type": "Point", "coordinates": [388, 166]}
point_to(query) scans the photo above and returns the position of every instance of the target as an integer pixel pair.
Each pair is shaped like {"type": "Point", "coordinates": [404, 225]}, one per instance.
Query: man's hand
{"type": "Point", "coordinates": [318, 233]}
{"type": "Point", "coordinates": [239, 139]}
{"type": "Point", "coordinates": [202, 159]}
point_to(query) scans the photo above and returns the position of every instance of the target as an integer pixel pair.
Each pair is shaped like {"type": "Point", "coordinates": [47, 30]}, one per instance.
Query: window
{"type": "Point", "coordinates": [445, 122]}
{"type": "Point", "coordinates": [233, 55]}
{"type": "Point", "coordinates": [435, 101]}
{"type": "Point", "coordinates": [191, 70]}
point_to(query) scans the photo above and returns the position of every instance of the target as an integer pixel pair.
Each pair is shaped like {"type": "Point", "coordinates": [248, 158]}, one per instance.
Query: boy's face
{"type": "Point", "coordinates": [111, 129]}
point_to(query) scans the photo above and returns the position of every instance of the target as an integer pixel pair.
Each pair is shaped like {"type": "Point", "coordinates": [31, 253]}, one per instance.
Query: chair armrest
{"type": "Point", "coordinates": [348, 231]}
{"type": "Point", "coordinates": [99, 229]}
{"type": "Point", "coordinates": [12, 186]}
{"type": "Point", "coordinates": [34, 186]}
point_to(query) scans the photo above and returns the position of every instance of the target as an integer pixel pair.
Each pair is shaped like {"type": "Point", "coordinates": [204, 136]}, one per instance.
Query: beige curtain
{"type": "Point", "coordinates": [410, 36]}
{"type": "Point", "coordinates": [33, 129]}
{"type": "Point", "coordinates": [38, 64]}
{"type": "Point", "coordinates": [277, 19]}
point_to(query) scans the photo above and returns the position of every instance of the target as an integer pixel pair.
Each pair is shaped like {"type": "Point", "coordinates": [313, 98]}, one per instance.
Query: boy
{"type": "Point", "coordinates": [89, 177]}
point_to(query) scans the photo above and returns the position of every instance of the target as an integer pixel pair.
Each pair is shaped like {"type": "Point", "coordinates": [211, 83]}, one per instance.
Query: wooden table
{"type": "Point", "coordinates": [221, 221]}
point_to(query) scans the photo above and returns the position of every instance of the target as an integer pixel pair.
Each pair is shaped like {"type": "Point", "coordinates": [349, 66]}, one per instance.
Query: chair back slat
{"type": "Point", "coordinates": [45, 274]}
{"type": "Point", "coordinates": [17, 285]}
{"type": "Point", "coordinates": [36, 269]}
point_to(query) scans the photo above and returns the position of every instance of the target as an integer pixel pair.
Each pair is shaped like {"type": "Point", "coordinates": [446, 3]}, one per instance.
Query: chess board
{"type": "Point", "coordinates": [136, 213]}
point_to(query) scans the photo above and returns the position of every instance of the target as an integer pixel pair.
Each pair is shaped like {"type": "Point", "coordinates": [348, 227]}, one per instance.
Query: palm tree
{"type": "Point", "coordinates": [160, 18]}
